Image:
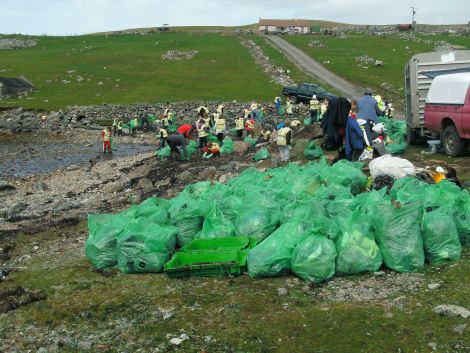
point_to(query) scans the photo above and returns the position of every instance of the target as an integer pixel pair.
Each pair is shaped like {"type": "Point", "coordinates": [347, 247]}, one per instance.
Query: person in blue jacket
{"type": "Point", "coordinates": [354, 136]}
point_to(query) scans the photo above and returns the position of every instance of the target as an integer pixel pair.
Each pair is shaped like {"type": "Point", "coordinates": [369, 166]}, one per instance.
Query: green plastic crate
{"type": "Point", "coordinates": [206, 263]}
{"type": "Point", "coordinates": [229, 243]}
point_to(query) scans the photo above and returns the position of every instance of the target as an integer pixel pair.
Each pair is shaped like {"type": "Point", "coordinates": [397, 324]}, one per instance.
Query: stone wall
{"type": "Point", "coordinates": [18, 120]}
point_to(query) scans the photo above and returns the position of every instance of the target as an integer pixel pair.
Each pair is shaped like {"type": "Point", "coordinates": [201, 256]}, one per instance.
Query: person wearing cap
{"type": "Point", "coordinates": [314, 107]}
{"type": "Point", "coordinates": [186, 130]}
{"type": "Point", "coordinates": [277, 104]}
{"type": "Point", "coordinates": [368, 108]}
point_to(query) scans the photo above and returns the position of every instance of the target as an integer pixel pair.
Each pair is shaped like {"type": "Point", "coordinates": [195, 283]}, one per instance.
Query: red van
{"type": "Point", "coordinates": [447, 111]}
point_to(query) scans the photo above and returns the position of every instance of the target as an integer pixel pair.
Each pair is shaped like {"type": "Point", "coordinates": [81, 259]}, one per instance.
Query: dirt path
{"type": "Point", "coordinates": [315, 69]}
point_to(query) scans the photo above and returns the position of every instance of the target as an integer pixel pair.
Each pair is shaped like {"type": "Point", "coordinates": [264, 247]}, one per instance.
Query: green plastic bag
{"type": "Point", "coordinates": [165, 152]}
{"type": "Point", "coordinates": [151, 118]}
{"type": "Point", "coordinates": [145, 247]}
{"type": "Point", "coordinates": [307, 121]}
{"type": "Point", "coordinates": [356, 247]}
{"type": "Point", "coordinates": [462, 219]}
{"type": "Point", "coordinates": [440, 237]}
{"type": "Point", "coordinates": [257, 222]}
{"type": "Point", "coordinates": [398, 235]}
{"type": "Point", "coordinates": [396, 148]}
{"type": "Point", "coordinates": [191, 147]}
{"type": "Point", "coordinates": [313, 151]}
{"type": "Point", "coordinates": [154, 210]}
{"type": "Point", "coordinates": [172, 128]}
{"type": "Point", "coordinates": [313, 259]}
{"type": "Point", "coordinates": [227, 146]}
{"type": "Point", "coordinates": [212, 138]}
{"type": "Point", "coordinates": [273, 256]}
{"type": "Point", "coordinates": [409, 190]}
{"type": "Point", "coordinates": [216, 225]}
{"type": "Point", "coordinates": [302, 210]}
{"type": "Point", "coordinates": [345, 173]}
{"type": "Point", "coordinates": [186, 214]}
{"type": "Point", "coordinates": [282, 110]}
{"type": "Point", "coordinates": [101, 244]}
{"type": "Point", "coordinates": [263, 153]}
{"type": "Point", "coordinates": [250, 140]}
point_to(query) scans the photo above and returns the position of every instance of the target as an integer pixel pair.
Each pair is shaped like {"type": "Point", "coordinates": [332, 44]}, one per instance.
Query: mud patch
{"type": "Point", "coordinates": [11, 299]}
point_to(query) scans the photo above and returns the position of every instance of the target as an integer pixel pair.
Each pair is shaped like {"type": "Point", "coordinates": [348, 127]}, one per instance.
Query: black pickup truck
{"type": "Point", "coordinates": [303, 92]}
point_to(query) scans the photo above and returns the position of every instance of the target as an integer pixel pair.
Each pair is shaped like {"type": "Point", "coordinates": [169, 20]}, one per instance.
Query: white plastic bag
{"type": "Point", "coordinates": [393, 166]}
{"type": "Point", "coordinates": [366, 154]}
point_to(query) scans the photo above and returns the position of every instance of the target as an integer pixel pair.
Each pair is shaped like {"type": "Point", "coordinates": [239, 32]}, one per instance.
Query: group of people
{"type": "Point", "coordinates": [354, 125]}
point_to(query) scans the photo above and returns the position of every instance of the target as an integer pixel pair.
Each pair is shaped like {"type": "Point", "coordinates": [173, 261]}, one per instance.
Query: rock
{"type": "Point", "coordinates": [42, 350]}
{"type": "Point", "coordinates": [184, 337]}
{"type": "Point", "coordinates": [432, 345]}
{"type": "Point", "coordinates": [207, 339]}
{"type": "Point", "coordinates": [452, 311]}
{"type": "Point", "coordinates": [167, 315]}
{"type": "Point", "coordinates": [179, 55]}
{"type": "Point", "coordinates": [16, 208]}
{"type": "Point", "coordinates": [85, 345]}
{"type": "Point", "coordinates": [184, 176]}
{"type": "Point", "coordinates": [223, 178]}
{"type": "Point", "coordinates": [208, 173]}
{"type": "Point", "coordinates": [144, 184]}
{"type": "Point", "coordinates": [460, 328]}
{"type": "Point", "coordinates": [388, 315]}
{"type": "Point", "coordinates": [40, 187]}
{"type": "Point", "coordinates": [379, 273]}
{"type": "Point", "coordinates": [281, 292]}
{"type": "Point", "coordinates": [433, 286]}
{"type": "Point", "coordinates": [162, 183]}
{"type": "Point", "coordinates": [4, 186]}
{"type": "Point", "coordinates": [228, 167]}
{"type": "Point", "coordinates": [176, 341]}
{"type": "Point", "coordinates": [240, 146]}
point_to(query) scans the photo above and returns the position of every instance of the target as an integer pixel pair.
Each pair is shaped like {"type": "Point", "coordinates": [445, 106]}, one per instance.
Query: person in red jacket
{"type": "Point", "coordinates": [106, 137]}
{"type": "Point", "coordinates": [186, 130]}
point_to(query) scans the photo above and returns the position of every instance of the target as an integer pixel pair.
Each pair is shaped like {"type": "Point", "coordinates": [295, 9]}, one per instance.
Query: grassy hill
{"type": "Point", "coordinates": [339, 56]}
{"type": "Point", "coordinates": [98, 69]}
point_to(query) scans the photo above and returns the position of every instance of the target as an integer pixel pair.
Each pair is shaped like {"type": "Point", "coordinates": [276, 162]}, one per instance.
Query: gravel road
{"type": "Point", "coordinates": [315, 69]}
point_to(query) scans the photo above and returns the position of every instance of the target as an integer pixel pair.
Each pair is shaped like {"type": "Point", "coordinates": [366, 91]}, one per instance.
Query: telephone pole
{"type": "Point", "coordinates": [413, 22]}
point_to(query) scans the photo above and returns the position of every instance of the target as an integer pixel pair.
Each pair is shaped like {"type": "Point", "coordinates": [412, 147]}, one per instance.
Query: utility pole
{"type": "Point", "coordinates": [413, 22]}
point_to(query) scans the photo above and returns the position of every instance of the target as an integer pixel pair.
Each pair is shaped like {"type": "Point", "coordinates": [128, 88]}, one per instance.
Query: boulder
{"type": "Point", "coordinates": [240, 146]}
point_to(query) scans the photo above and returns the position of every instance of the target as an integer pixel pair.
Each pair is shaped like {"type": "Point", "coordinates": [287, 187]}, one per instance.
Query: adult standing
{"type": "Point", "coordinates": [277, 104]}
{"type": "Point", "coordinates": [239, 126]}
{"type": "Point", "coordinates": [220, 128]}
{"type": "Point", "coordinates": [284, 140]}
{"type": "Point", "coordinates": [314, 107]}
{"type": "Point", "coordinates": [368, 110]}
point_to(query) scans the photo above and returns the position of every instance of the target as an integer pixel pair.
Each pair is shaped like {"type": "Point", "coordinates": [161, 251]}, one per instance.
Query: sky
{"type": "Point", "coordinates": [66, 17]}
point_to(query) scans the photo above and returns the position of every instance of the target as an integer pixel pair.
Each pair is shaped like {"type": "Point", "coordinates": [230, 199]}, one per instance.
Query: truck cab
{"type": "Point", "coordinates": [420, 72]}
{"type": "Point", "coordinates": [447, 111]}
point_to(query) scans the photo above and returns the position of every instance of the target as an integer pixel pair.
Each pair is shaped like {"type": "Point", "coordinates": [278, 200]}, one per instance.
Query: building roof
{"type": "Point", "coordinates": [14, 83]}
{"type": "Point", "coordinates": [284, 23]}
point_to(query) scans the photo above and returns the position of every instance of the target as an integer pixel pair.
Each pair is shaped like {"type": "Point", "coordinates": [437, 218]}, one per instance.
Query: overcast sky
{"type": "Point", "coordinates": [85, 16]}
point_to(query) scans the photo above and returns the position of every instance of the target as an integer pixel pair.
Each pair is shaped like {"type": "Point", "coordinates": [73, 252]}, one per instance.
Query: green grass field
{"type": "Point", "coordinates": [390, 49]}
{"type": "Point", "coordinates": [129, 69]}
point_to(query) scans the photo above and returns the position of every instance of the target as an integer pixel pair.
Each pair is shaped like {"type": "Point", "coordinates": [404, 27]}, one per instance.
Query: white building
{"type": "Point", "coordinates": [287, 26]}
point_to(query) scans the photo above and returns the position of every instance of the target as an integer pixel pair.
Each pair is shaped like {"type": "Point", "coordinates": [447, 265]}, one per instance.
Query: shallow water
{"type": "Point", "coordinates": [25, 159]}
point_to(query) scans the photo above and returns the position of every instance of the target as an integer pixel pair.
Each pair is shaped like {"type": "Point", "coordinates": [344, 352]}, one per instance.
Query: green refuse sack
{"type": "Point", "coordinates": [263, 153]}
{"type": "Point", "coordinates": [172, 128]}
{"type": "Point", "coordinates": [191, 147]}
{"type": "Point", "coordinates": [347, 174]}
{"type": "Point", "coordinates": [396, 148]}
{"type": "Point", "coordinates": [250, 140]}
{"type": "Point", "coordinates": [165, 152]}
{"type": "Point", "coordinates": [462, 219]}
{"type": "Point", "coordinates": [313, 259]}
{"type": "Point", "coordinates": [145, 247]}
{"type": "Point", "coordinates": [186, 214]}
{"type": "Point", "coordinates": [151, 118]}
{"type": "Point", "coordinates": [398, 235]}
{"type": "Point", "coordinates": [227, 146]}
{"type": "Point", "coordinates": [101, 244]}
{"type": "Point", "coordinates": [256, 222]}
{"type": "Point", "coordinates": [302, 210]}
{"type": "Point", "coordinates": [356, 247]}
{"type": "Point", "coordinates": [440, 236]}
{"type": "Point", "coordinates": [409, 190]}
{"type": "Point", "coordinates": [307, 121]}
{"type": "Point", "coordinates": [216, 225]}
{"type": "Point", "coordinates": [273, 256]}
{"type": "Point", "coordinates": [213, 138]}
{"type": "Point", "coordinates": [282, 110]}
{"type": "Point", "coordinates": [313, 151]}
{"type": "Point", "coordinates": [154, 210]}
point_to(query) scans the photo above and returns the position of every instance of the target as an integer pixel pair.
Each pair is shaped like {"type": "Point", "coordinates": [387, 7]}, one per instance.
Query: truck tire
{"type": "Point", "coordinates": [451, 141]}
{"type": "Point", "coordinates": [293, 99]}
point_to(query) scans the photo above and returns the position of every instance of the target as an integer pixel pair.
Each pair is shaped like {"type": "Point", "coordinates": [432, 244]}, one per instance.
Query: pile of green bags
{"type": "Point", "coordinates": [313, 151]}
{"type": "Point", "coordinates": [227, 146]}
{"type": "Point", "coordinates": [262, 153]}
{"type": "Point", "coordinates": [313, 220]}
{"type": "Point", "coordinates": [396, 134]}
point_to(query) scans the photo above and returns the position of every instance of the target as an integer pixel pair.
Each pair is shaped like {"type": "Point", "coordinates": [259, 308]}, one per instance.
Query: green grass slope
{"type": "Point", "coordinates": [129, 69]}
{"type": "Point", "coordinates": [392, 50]}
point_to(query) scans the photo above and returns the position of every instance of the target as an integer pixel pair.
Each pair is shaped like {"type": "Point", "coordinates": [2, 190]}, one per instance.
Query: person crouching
{"type": "Point", "coordinates": [211, 149]}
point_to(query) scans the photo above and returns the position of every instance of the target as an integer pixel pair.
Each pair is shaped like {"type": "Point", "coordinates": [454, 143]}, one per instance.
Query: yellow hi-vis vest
{"type": "Point", "coordinates": [289, 107]}
{"type": "Point", "coordinates": [220, 125]}
{"type": "Point", "coordinates": [215, 147]}
{"type": "Point", "coordinates": [165, 121]}
{"type": "Point", "coordinates": [281, 136]}
{"type": "Point", "coordinates": [106, 135]}
{"type": "Point", "coordinates": [314, 104]}
{"type": "Point", "coordinates": [202, 131]}
{"type": "Point", "coordinates": [239, 124]}
{"type": "Point", "coordinates": [163, 133]}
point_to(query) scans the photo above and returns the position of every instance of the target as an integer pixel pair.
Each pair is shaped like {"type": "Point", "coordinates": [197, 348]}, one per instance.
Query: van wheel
{"type": "Point", "coordinates": [293, 99]}
{"type": "Point", "coordinates": [453, 144]}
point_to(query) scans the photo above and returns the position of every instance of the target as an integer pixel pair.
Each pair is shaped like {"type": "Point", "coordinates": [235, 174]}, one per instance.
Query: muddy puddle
{"type": "Point", "coordinates": [25, 159]}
